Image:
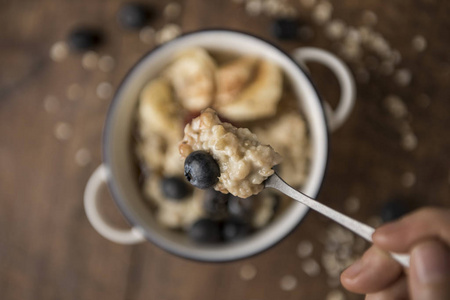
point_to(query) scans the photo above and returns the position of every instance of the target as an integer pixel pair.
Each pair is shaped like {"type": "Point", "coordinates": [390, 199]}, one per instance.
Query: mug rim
{"type": "Point", "coordinates": [106, 155]}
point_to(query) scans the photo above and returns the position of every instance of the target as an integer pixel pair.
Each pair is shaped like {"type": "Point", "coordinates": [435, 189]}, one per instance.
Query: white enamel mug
{"type": "Point", "coordinates": [117, 169]}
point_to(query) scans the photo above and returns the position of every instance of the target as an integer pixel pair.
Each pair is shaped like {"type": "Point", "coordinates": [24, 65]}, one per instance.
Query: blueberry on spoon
{"type": "Point", "coordinates": [201, 170]}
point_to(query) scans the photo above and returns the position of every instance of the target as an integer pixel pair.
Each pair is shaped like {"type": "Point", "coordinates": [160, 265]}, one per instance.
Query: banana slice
{"type": "Point", "coordinates": [192, 76]}
{"type": "Point", "coordinates": [232, 78]}
{"type": "Point", "coordinates": [158, 111]}
{"type": "Point", "coordinates": [259, 99]}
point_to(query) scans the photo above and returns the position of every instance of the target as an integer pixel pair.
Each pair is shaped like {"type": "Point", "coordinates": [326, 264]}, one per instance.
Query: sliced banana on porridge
{"type": "Point", "coordinates": [158, 112]}
{"type": "Point", "coordinates": [259, 99]}
{"type": "Point", "coordinates": [192, 75]}
{"type": "Point", "coordinates": [232, 78]}
{"type": "Point", "coordinates": [242, 162]}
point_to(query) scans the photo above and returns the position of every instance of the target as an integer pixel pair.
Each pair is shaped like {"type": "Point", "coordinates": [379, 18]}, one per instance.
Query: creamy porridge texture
{"type": "Point", "coordinates": [251, 92]}
{"type": "Point", "coordinates": [244, 162]}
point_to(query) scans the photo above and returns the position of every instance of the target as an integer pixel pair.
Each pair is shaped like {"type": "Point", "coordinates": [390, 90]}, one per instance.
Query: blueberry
{"type": "Point", "coordinates": [235, 229]}
{"type": "Point", "coordinates": [82, 39]}
{"type": "Point", "coordinates": [285, 29]}
{"type": "Point", "coordinates": [206, 231]}
{"type": "Point", "coordinates": [133, 15]}
{"type": "Point", "coordinates": [241, 208]}
{"type": "Point", "coordinates": [174, 188]}
{"type": "Point", "coordinates": [215, 204]}
{"type": "Point", "coordinates": [201, 170]}
{"type": "Point", "coordinates": [393, 210]}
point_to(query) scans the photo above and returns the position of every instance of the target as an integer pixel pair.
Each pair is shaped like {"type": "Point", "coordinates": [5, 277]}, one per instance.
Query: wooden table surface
{"type": "Point", "coordinates": [48, 250]}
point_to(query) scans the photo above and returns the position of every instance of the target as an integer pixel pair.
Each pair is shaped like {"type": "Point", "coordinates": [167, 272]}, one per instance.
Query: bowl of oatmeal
{"type": "Point", "coordinates": [259, 94]}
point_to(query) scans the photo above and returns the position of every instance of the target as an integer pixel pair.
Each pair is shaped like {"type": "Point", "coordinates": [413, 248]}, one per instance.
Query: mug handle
{"type": "Point", "coordinates": [345, 78]}
{"type": "Point", "coordinates": [95, 217]}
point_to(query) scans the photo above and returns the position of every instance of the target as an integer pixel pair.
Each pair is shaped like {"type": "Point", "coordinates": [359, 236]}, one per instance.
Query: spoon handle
{"type": "Point", "coordinates": [359, 228]}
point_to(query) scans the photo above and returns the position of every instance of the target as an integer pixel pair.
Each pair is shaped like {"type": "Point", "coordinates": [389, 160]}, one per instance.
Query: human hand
{"type": "Point", "coordinates": [425, 235]}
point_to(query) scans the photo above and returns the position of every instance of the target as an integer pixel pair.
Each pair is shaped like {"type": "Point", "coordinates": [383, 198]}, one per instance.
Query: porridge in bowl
{"type": "Point", "coordinates": [247, 92]}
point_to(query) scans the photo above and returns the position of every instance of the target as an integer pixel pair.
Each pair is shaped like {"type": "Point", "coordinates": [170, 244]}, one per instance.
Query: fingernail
{"type": "Point", "coordinates": [354, 270]}
{"type": "Point", "coordinates": [431, 261]}
{"type": "Point", "coordinates": [388, 228]}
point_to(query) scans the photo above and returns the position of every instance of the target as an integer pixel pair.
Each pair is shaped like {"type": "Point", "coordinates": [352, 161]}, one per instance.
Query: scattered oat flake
{"type": "Point", "coordinates": [89, 60]}
{"type": "Point", "coordinates": [106, 63]}
{"type": "Point", "coordinates": [395, 106]}
{"type": "Point", "coordinates": [369, 18]}
{"type": "Point", "coordinates": [254, 7]}
{"type": "Point", "coordinates": [172, 10]}
{"type": "Point", "coordinates": [83, 157]}
{"type": "Point", "coordinates": [351, 51]}
{"type": "Point", "coordinates": [335, 295]}
{"type": "Point", "coordinates": [408, 179]}
{"type": "Point", "coordinates": [304, 249]}
{"type": "Point", "coordinates": [409, 141]}
{"type": "Point", "coordinates": [322, 13]}
{"type": "Point", "coordinates": [147, 35]}
{"type": "Point", "coordinates": [247, 272]}
{"type": "Point", "coordinates": [51, 104]}
{"type": "Point", "coordinates": [403, 77]}
{"type": "Point", "coordinates": [74, 91]}
{"type": "Point", "coordinates": [335, 29]}
{"type": "Point", "coordinates": [167, 33]}
{"type": "Point", "coordinates": [104, 90]}
{"type": "Point", "coordinates": [63, 131]}
{"type": "Point", "coordinates": [59, 51]}
{"type": "Point", "coordinates": [352, 205]}
{"type": "Point", "coordinates": [288, 283]}
{"type": "Point", "coordinates": [419, 43]}
{"type": "Point", "coordinates": [311, 267]}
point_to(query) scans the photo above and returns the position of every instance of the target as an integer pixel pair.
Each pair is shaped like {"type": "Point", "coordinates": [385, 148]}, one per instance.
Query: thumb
{"type": "Point", "coordinates": [430, 271]}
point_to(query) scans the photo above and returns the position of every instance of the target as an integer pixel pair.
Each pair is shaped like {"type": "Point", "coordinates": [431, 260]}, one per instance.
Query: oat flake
{"type": "Point", "coordinates": [59, 51]}
{"type": "Point", "coordinates": [83, 157]}
{"type": "Point", "coordinates": [311, 267]}
{"type": "Point", "coordinates": [247, 272]}
{"type": "Point", "coordinates": [419, 43]}
{"type": "Point", "coordinates": [408, 179]}
{"type": "Point", "coordinates": [172, 10]}
{"type": "Point", "coordinates": [335, 295]}
{"type": "Point", "coordinates": [288, 283]}
{"type": "Point", "coordinates": [63, 131]}
{"type": "Point", "coordinates": [304, 249]}
{"type": "Point", "coordinates": [89, 60]}
{"type": "Point", "coordinates": [147, 35]}
{"type": "Point", "coordinates": [106, 63]}
{"type": "Point", "coordinates": [352, 205]}
{"type": "Point", "coordinates": [104, 90]}
{"type": "Point", "coordinates": [51, 104]}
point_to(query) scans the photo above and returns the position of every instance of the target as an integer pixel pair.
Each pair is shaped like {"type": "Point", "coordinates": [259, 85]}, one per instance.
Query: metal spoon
{"type": "Point", "coordinates": [359, 228]}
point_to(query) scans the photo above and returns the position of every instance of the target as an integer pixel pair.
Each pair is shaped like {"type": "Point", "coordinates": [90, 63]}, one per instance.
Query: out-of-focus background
{"type": "Point", "coordinates": [390, 157]}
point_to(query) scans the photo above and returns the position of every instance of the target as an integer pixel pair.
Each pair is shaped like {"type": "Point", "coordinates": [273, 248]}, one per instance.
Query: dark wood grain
{"type": "Point", "coordinates": [48, 250]}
